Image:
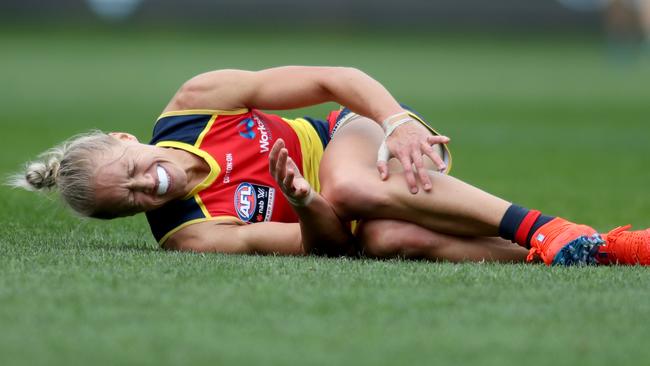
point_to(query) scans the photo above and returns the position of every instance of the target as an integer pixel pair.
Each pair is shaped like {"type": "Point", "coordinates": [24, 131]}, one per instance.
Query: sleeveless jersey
{"type": "Point", "coordinates": [236, 146]}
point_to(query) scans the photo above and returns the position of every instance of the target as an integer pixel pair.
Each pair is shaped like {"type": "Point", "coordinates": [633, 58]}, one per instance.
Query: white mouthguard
{"type": "Point", "coordinates": [163, 180]}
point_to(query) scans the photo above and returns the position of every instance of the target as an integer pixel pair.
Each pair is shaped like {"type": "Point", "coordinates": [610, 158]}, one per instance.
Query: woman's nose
{"type": "Point", "coordinates": [145, 183]}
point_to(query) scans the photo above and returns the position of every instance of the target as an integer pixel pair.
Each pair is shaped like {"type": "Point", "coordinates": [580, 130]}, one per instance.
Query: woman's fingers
{"type": "Point", "coordinates": [383, 155]}
{"type": "Point", "coordinates": [436, 139]}
{"type": "Point", "coordinates": [409, 146]}
{"type": "Point", "coordinates": [281, 165]}
{"type": "Point", "coordinates": [287, 183]}
{"type": "Point", "coordinates": [423, 175]}
{"type": "Point", "coordinates": [287, 175]}
{"type": "Point", "coordinates": [407, 165]}
{"type": "Point", "coordinates": [273, 157]}
{"type": "Point", "coordinates": [435, 158]}
{"type": "Point", "coordinates": [382, 167]}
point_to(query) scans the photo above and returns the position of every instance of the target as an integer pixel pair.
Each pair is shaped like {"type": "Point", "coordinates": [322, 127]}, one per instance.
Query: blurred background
{"type": "Point", "coordinates": [562, 14]}
{"type": "Point", "coordinates": [547, 104]}
{"type": "Point", "coordinates": [544, 84]}
{"type": "Point", "coordinates": [499, 77]}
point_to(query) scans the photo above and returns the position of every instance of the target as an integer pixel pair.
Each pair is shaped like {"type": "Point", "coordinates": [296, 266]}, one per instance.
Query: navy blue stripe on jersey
{"type": "Point", "coordinates": [344, 112]}
{"type": "Point", "coordinates": [322, 129]}
{"type": "Point", "coordinates": [173, 214]}
{"type": "Point", "coordinates": [185, 128]}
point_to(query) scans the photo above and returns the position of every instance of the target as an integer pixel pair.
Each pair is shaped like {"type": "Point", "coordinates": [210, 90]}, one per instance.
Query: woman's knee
{"type": "Point", "coordinates": [390, 238]}
{"type": "Point", "coordinates": [374, 240]}
{"type": "Point", "coordinates": [353, 194]}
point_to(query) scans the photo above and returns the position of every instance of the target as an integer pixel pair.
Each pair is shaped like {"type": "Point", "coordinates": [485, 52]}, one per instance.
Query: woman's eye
{"type": "Point", "coordinates": [132, 199]}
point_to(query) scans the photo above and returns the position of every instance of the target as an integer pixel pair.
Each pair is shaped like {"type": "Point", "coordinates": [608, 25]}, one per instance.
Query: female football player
{"type": "Point", "coordinates": [220, 175]}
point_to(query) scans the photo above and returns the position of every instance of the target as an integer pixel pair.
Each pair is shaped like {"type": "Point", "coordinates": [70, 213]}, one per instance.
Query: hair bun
{"type": "Point", "coordinates": [43, 174]}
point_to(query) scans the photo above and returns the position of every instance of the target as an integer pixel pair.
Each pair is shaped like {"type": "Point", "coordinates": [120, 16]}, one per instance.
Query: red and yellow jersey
{"type": "Point", "coordinates": [236, 145]}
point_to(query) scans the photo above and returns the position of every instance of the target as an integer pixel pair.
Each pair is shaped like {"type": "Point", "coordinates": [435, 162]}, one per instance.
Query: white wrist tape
{"type": "Point", "coordinates": [302, 202]}
{"type": "Point", "coordinates": [389, 127]}
{"type": "Point", "coordinates": [394, 121]}
{"type": "Point", "coordinates": [388, 121]}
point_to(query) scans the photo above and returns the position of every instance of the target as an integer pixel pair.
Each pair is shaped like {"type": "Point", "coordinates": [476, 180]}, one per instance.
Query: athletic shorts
{"type": "Point", "coordinates": [339, 118]}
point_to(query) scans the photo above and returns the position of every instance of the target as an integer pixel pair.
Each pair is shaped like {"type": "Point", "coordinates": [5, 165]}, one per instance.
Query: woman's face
{"type": "Point", "coordinates": [135, 177]}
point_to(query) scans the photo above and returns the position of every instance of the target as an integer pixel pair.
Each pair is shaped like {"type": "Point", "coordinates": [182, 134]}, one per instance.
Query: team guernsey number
{"type": "Point", "coordinates": [253, 202]}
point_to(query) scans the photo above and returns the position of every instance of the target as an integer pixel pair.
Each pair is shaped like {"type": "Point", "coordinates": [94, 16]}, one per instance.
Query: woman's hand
{"type": "Point", "coordinates": [321, 230]}
{"type": "Point", "coordinates": [285, 172]}
{"type": "Point", "coordinates": [408, 141]}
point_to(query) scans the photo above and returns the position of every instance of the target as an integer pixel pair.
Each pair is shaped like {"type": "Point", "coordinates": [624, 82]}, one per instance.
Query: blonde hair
{"type": "Point", "coordinates": [67, 168]}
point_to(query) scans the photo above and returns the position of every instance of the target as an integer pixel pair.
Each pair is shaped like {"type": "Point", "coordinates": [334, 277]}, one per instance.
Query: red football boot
{"type": "Point", "coordinates": [625, 247]}
{"type": "Point", "coordinates": [562, 242]}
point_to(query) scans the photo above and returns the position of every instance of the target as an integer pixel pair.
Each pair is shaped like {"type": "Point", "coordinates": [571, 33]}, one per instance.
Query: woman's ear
{"type": "Point", "coordinates": [123, 136]}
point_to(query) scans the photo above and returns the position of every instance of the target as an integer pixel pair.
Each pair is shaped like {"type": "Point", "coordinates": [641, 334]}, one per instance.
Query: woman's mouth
{"type": "Point", "coordinates": [163, 180]}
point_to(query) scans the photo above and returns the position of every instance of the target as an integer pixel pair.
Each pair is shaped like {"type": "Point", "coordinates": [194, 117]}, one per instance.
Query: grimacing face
{"type": "Point", "coordinates": [135, 177]}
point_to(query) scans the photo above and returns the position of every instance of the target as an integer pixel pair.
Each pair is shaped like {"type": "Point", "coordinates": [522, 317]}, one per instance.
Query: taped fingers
{"type": "Point", "coordinates": [382, 160]}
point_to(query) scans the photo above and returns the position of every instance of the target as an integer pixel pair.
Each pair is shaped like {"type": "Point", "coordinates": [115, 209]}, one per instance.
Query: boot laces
{"type": "Point", "coordinates": [625, 249]}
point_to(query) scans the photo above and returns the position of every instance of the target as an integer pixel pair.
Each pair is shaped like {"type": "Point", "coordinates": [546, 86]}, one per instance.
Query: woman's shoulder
{"type": "Point", "coordinates": [187, 125]}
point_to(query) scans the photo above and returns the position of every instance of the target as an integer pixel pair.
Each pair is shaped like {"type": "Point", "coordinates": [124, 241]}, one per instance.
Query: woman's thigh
{"type": "Point", "coordinates": [352, 152]}
{"type": "Point", "coordinates": [355, 146]}
{"type": "Point", "coordinates": [350, 181]}
{"type": "Point", "coordinates": [349, 163]}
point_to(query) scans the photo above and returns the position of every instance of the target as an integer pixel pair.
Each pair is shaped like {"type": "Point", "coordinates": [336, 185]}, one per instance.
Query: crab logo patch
{"type": "Point", "coordinates": [246, 129]}
{"type": "Point", "coordinates": [253, 202]}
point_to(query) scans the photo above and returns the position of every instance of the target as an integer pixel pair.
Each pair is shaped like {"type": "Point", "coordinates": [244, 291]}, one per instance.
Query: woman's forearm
{"type": "Point", "coordinates": [361, 93]}
{"type": "Point", "coordinates": [322, 231]}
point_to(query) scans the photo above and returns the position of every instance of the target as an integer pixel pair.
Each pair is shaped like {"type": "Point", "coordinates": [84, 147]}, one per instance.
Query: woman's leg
{"type": "Point", "coordinates": [392, 238]}
{"type": "Point", "coordinates": [349, 179]}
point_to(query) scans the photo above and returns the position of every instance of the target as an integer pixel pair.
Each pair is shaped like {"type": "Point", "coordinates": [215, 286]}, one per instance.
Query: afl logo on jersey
{"type": "Point", "coordinates": [245, 201]}
{"type": "Point", "coordinates": [254, 202]}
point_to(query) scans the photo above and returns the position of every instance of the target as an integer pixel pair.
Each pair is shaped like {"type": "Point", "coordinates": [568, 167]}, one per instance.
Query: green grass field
{"type": "Point", "coordinates": [551, 123]}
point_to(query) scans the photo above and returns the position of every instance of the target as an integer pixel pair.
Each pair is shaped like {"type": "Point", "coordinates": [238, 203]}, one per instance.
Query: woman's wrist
{"type": "Point", "coordinates": [392, 116]}
{"type": "Point", "coordinates": [390, 123]}
{"type": "Point", "coordinates": [302, 201]}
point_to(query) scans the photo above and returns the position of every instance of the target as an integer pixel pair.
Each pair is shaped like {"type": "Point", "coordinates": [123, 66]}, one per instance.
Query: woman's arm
{"type": "Point", "coordinates": [321, 229]}
{"type": "Point", "coordinates": [233, 238]}
{"type": "Point", "coordinates": [299, 86]}
{"type": "Point", "coordinates": [286, 87]}
{"type": "Point", "coordinates": [313, 235]}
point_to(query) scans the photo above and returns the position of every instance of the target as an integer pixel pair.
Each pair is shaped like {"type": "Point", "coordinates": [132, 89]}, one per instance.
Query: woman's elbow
{"type": "Point", "coordinates": [183, 245]}
{"type": "Point", "coordinates": [187, 95]}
